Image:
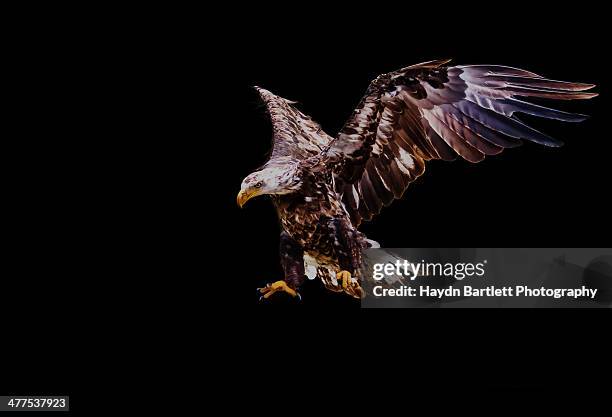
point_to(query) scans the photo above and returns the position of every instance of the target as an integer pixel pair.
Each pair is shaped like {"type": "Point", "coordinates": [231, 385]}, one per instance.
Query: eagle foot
{"type": "Point", "coordinates": [278, 286]}
{"type": "Point", "coordinates": [349, 284]}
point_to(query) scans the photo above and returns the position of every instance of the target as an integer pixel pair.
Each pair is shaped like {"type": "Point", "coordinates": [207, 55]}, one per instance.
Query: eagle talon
{"type": "Point", "coordinates": [278, 286]}
{"type": "Point", "coordinates": [345, 277]}
{"type": "Point", "coordinates": [349, 285]}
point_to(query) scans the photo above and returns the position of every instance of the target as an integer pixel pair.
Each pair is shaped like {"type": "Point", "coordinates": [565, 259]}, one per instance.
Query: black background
{"type": "Point", "coordinates": [75, 323]}
{"type": "Point", "coordinates": [531, 196]}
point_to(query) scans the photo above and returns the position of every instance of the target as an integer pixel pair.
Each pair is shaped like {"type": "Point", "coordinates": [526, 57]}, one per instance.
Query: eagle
{"type": "Point", "coordinates": [324, 187]}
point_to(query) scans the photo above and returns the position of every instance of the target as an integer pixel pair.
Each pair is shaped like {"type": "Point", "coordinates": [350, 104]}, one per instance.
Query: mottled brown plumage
{"type": "Point", "coordinates": [324, 187]}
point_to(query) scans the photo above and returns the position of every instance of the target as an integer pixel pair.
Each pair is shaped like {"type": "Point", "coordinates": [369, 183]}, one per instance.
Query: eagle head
{"type": "Point", "coordinates": [272, 179]}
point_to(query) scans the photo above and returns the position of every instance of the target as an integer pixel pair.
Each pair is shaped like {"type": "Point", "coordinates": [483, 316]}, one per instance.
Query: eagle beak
{"type": "Point", "coordinates": [244, 196]}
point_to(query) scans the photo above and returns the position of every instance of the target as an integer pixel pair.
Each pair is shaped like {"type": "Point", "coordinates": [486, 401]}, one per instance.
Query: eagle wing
{"type": "Point", "coordinates": [295, 135]}
{"type": "Point", "coordinates": [432, 111]}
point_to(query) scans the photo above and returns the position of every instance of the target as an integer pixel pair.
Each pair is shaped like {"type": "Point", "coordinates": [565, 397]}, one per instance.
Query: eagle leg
{"type": "Point", "coordinates": [348, 246]}
{"type": "Point", "coordinates": [292, 260]}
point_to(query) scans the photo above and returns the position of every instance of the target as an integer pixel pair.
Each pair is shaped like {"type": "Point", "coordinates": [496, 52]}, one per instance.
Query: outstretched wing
{"type": "Point", "coordinates": [431, 111]}
{"type": "Point", "coordinates": [295, 135]}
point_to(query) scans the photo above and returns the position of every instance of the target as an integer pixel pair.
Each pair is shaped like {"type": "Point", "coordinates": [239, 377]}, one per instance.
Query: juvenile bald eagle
{"type": "Point", "coordinates": [323, 187]}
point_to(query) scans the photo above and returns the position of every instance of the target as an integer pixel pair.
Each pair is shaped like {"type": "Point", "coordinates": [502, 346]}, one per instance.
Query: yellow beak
{"type": "Point", "coordinates": [244, 196]}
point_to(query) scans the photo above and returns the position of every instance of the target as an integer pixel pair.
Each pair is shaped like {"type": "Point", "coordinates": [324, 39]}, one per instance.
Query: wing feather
{"type": "Point", "coordinates": [433, 111]}
{"type": "Point", "coordinates": [295, 135]}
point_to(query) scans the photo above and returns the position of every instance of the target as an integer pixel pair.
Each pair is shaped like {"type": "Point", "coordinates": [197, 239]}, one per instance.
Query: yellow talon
{"type": "Point", "coordinates": [345, 276]}
{"type": "Point", "coordinates": [349, 285]}
{"type": "Point", "coordinates": [278, 286]}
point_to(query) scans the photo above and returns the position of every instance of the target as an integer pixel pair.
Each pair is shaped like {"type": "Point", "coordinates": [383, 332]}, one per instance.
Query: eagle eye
{"type": "Point", "coordinates": [258, 185]}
